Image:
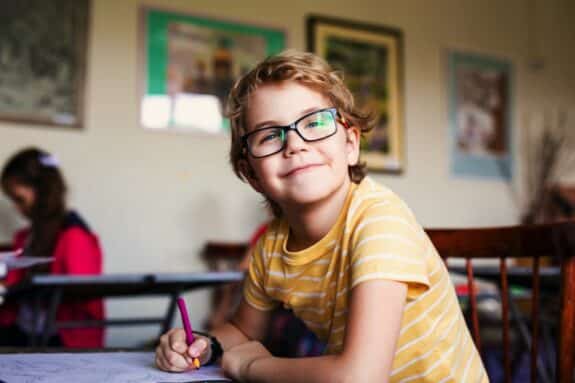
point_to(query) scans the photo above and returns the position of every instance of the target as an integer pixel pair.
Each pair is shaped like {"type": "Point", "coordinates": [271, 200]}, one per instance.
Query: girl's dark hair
{"type": "Point", "coordinates": [39, 170]}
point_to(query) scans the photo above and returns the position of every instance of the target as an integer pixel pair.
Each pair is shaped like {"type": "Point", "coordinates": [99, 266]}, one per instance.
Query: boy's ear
{"type": "Point", "coordinates": [249, 175]}
{"type": "Point", "coordinates": [353, 136]}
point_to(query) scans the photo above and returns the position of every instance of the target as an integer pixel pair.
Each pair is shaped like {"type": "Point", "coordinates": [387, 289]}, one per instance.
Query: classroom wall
{"type": "Point", "coordinates": [155, 198]}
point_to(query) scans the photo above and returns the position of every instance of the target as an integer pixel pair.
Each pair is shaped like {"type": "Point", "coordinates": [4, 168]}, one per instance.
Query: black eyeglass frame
{"type": "Point", "coordinates": [293, 126]}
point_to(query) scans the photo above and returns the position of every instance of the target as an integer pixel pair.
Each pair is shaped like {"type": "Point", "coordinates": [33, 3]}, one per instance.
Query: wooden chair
{"type": "Point", "coordinates": [223, 256]}
{"type": "Point", "coordinates": [534, 242]}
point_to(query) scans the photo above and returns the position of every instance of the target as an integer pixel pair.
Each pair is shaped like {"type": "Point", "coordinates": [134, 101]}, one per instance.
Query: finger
{"type": "Point", "coordinates": [189, 361]}
{"type": "Point", "coordinates": [158, 361]}
{"type": "Point", "coordinates": [173, 361]}
{"type": "Point", "coordinates": [161, 362]}
{"type": "Point", "coordinates": [164, 340]}
{"type": "Point", "coordinates": [198, 348]}
{"type": "Point", "coordinates": [179, 368]}
{"type": "Point", "coordinates": [206, 356]}
{"type": "Point", "coordinates": [177, 341]}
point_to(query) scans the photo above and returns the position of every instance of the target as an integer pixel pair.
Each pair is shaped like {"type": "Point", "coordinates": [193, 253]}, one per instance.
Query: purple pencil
{"type": "Point", "coordinates": [187, 326]}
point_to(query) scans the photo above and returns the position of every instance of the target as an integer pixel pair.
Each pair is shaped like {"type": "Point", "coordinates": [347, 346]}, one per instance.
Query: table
{"type": "Point", "coordinates": [84, 367]}
{"type": "Point", "coordinates": [53, 289]}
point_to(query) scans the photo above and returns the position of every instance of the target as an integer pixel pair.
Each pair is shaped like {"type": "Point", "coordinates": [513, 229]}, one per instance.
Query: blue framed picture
{"type": "Point", "coordinates": [480, 115]}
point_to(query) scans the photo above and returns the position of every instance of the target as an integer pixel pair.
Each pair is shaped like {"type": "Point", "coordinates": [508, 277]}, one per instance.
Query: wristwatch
{"type": "Point", "coordinates": [217, 350]}
{"type": "Point", "coordinates": [215, 347]}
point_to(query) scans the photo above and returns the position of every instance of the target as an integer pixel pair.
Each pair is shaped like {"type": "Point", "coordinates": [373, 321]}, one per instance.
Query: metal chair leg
{"type": "Point", "coordinates": [169, 317]}
{"type": "Point", "coordinates": [524, 334]}
{"type": "Point", "coordinates": [50, 322]}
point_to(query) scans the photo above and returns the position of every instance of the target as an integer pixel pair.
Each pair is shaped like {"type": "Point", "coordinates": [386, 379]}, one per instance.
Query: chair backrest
{"type": "Point", "coordinates": [224, 255]}
{"type": "Point", "coordinates": [6, 247]}
{"type": "Point", "coordinates": [556, 240]}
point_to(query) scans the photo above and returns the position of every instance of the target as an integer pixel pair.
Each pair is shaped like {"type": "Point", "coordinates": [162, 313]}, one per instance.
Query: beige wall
{"type": "Point", "coordinates": [155, 198]}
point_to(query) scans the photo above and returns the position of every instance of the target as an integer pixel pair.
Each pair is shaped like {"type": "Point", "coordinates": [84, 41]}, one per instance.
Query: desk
{"type": "Point", "coordinates": [55, 288]}
{"type": "Point", "coordinates": [110, 367]}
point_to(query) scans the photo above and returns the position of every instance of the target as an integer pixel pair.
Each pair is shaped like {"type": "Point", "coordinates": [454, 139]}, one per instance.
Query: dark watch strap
{"type": "Point", "coordinates": [216, 347]}
{"type": "Point", "coordinates": [217, 350]}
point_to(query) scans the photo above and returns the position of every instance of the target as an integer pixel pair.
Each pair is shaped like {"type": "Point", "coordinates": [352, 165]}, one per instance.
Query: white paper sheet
{"type": "Point", "coordinates": [12, 261]}
{"type": "Point", "coordinates": [108, 367]}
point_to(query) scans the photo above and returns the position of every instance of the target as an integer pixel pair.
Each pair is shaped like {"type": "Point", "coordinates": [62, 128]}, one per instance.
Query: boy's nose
{"type": "Point", "coordinates": [294, 143]}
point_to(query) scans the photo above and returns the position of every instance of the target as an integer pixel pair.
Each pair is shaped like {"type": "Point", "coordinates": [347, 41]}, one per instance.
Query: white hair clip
{"type": "Point", "coordinates": [49, 161]}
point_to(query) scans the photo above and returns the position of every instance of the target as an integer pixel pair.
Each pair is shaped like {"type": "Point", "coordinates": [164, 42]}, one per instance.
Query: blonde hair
{"type": "Point", "coordinates": [307, 69]}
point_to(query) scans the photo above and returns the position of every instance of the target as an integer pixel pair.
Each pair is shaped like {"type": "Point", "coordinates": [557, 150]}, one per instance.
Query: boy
{"type": "Point", "coordinates": [345, 254]}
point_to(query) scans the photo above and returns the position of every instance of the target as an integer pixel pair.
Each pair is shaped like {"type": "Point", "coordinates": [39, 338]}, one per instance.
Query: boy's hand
{"type": "Point", "coordinates": [173, 354]}
{"type": "Point", "coordinates": [237, 360]}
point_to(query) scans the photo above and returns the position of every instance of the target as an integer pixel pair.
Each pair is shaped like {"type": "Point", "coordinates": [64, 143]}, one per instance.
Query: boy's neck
{"type": "Point", "coordinates": [309, 224]}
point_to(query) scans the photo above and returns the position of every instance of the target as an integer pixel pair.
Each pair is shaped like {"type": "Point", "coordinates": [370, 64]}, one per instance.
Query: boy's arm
{"type": "Point", "coordinates": [247, 324]}
{"type": "Point", "coordinates": [372, 330]}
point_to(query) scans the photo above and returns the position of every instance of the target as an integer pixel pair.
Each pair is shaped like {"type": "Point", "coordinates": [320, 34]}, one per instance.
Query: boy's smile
{"type": "Point", "coordinates": [303, 173]}
{"type": "Point", "coordinates": [300, 169]}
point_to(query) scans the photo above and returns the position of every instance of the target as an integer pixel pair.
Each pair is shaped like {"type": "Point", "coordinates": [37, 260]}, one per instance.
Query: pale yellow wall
{"type": "Point", "coordinates": [155, 198]}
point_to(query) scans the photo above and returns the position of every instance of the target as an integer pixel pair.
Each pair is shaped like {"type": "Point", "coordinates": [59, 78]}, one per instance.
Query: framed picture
{"type": "Point", "coordinates": [43, 47]}
{"type": "Point", "coordinates": [370, 57]}
{"type": "Point", "coordinates": [191, 63]}
{"type": "Point", "coordinates": [480, 115]}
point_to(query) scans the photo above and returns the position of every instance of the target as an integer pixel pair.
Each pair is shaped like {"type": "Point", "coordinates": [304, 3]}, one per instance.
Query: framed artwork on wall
{"type": "Point", "coordinates": [191, 62]}
{"type": "Point", "coordinates": [480, 115]}
{"type": "Point", "coordinates": [43, 48]}
{"type": "Point", "coordinates": [371, 59]}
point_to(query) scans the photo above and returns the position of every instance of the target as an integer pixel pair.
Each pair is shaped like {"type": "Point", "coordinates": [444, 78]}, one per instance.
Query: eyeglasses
{"type": "Point", "coordinates": [314, 126]}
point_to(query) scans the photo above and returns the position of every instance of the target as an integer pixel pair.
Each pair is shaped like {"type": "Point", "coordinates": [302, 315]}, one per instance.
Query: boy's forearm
{"type": "Point", "coordinates": [229, 335]}
{"type": "Point", "coordinates": [330, 368]}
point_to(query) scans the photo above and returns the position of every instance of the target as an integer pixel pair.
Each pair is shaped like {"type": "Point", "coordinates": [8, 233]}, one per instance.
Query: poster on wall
{"type": "Point", "coordinates": [370, 57]}
{"type": "Point", "coordinates": [191, 63]}
{"type": "Point", "coordinates": [480, 115]}
{"type": "Point", "coordinates": [43, 48]}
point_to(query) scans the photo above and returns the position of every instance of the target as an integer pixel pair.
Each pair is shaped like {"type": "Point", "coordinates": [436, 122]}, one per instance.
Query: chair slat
{"type": "Point", "coordinates": [505, 325]}
{"type": "Point", "coordinates": [566, 352]}
{"type": "Point", "coordinates": [473, 304]}
{"type": "Point", "coordinates": [534, 318]}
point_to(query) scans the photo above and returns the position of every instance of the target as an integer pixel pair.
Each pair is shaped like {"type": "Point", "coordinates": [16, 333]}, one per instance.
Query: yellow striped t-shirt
{"type": "Point", "coordinates": [375, 237]}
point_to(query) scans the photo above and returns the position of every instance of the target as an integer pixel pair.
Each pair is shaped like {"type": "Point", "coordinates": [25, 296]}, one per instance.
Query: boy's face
{"type": "Point", "coordinates": [303, 173]}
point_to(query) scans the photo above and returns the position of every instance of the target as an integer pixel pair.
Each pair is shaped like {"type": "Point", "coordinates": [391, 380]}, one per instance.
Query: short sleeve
{"type": "Point", "coordinates": [253, 288]}
{"type": "Point", "coordinates": [387, 243]}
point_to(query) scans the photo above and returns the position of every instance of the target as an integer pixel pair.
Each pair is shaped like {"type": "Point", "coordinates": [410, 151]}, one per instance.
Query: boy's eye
{"type": "Point", "coordinates": [316, 124]}
{"type": "Point", "coordinates": [320, 120]}
{"type": "Point", "coordinates": [269, 136]}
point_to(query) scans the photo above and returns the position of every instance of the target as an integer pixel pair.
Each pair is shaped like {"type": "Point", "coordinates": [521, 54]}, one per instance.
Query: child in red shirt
{"type": "Point", "coordinates": [33, 181]}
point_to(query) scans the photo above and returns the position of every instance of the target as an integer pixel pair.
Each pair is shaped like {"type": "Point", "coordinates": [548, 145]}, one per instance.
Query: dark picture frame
{"type": "Point", "coordinates": [371, 59]}
{"type": "Point", "coordinates": [43, 50]}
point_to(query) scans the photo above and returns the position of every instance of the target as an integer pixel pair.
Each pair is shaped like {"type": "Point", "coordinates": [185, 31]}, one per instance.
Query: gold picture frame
{"type": "Point", "coordinates": [371, 59]}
